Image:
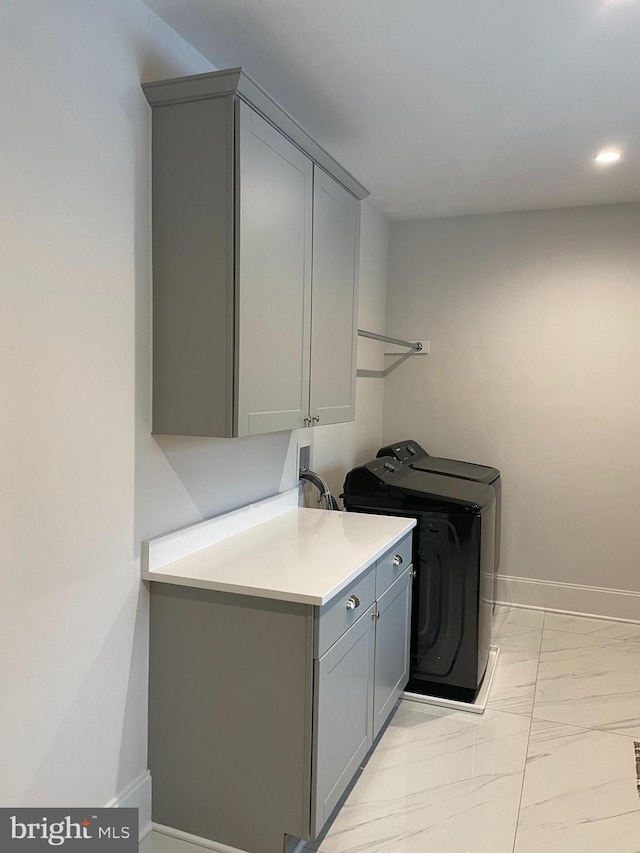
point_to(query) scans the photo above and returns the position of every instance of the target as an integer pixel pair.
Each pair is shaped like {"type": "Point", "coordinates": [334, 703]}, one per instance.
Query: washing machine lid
{"type": "Point", "coordinates": [409, 452]}
{"type": "Point", "coordinates": [426, 490]}
{"type": "Point", "coordinates": [455, 468]}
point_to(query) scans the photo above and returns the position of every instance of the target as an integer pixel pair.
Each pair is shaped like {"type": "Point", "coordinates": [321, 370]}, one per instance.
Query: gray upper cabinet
{"type": "Point", "coordinates": [255, 258]}
{"type": "Point", "coordinates": [274, 279]}
{"type": "Point", "coordinates": [336, 236]}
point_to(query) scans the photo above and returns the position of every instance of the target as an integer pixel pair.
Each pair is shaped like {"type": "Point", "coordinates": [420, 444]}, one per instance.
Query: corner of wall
{"type": "Point", "coordinates": [137, 795]}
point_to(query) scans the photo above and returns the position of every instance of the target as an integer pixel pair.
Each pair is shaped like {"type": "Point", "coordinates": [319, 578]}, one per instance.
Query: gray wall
{"type": "Point", "coordinates": [533, 320]}
{"type": "Point", "coordinates": [83, 481]}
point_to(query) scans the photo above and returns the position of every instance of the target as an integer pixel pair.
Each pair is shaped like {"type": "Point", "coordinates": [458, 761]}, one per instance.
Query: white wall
{"type": "Point", "coordinates": [82, 479]}
{"type": "Point", "coordinates": [533, 324]}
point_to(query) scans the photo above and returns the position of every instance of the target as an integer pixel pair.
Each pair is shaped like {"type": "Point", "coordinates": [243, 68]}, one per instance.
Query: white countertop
{"type": "Point", "coordinates": [299, 554]}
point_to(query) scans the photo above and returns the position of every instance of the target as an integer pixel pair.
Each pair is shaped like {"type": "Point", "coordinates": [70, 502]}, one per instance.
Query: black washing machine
{"type": "Point", "coordinates": [409, 452]}
{"type": "Point", "coordinates": [453, 557]}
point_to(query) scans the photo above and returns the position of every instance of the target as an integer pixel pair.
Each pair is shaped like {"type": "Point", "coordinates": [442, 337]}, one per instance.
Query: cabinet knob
{"type": "Point", "coordinates": [397, 560]}
{"type": "Point", "coordinates": [307, 421]}
{"type": "Point", "coordinates": [316, 419]}
{"type": "Point", "coordinates": [352, 602]}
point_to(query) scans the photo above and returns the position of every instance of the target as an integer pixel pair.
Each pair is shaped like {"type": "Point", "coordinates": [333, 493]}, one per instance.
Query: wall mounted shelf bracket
{"type": "Point", "coordinates": [413, 347]}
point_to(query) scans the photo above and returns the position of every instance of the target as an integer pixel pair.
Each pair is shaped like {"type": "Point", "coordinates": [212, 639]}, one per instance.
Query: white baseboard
{"type": "Point", "coordinates": [194, 839]}
{"type": "Point", "coordinates": [205, 842]}
{"type": "Point", "coordinates": [595, 601]}
{"type": "Point", "coordinates": [137, 795]}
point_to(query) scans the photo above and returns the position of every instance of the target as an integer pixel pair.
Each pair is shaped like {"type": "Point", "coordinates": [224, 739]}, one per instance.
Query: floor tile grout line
{"type": "Point", "coordinates": [588, 729]}
{"type": "Point", "coordinates": [595, 636]}
{"type": "Point", "coordinates": [607, 640]}
{"type": "Point", "coordinates": [524, 770]}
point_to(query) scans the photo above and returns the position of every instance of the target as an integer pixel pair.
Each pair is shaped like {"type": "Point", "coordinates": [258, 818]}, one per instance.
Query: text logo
{"type": "Point", "coordinates": [30, 830]}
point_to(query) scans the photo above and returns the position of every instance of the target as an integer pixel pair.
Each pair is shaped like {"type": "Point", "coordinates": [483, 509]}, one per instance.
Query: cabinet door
{"type": "Point", "coordinates": [343, 708]}
{"type": "Point", "coordinates": [273, 278]}
{"type": "Point", "coordinates": [336, 246]}
{"type": "Point", "coordinates": [392, 648]}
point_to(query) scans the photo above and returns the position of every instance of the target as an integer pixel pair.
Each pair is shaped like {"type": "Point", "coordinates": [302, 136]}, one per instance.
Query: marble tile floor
{"type": "Point", "coordinates": [550, 766]}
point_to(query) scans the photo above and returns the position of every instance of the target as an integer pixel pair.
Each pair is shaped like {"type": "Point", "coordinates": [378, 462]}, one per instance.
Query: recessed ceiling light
{"type": "Point", "coordinates": [607, 156]}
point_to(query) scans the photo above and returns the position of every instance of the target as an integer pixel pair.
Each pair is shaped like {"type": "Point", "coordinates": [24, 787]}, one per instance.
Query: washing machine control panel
{"type": "Point", "coordinates": [385, 469]}
{"type": "Point", "coordinates": [403, 451]}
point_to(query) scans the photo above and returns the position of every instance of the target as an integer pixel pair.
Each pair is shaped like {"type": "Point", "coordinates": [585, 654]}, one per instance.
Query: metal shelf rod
{"type": "Point", "coordinates": [416, 346]}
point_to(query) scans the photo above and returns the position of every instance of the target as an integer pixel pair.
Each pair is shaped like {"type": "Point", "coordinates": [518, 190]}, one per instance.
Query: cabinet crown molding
{"type": "Point", "coordinates": [236, 82]}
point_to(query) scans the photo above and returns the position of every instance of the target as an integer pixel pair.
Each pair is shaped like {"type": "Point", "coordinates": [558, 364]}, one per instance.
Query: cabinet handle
{"type": "Point", "coordinates": [397, 560]}
{"type": "Point", "coordinates": [316, 419]}
{"type": "Point", "coordinates": [307, 421]}
{"type": "Point", "coordinates": [352, 602]}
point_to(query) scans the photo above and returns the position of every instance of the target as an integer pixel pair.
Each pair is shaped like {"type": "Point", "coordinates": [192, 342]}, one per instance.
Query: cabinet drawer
{"type": "Point", "coordinates": [392, 564]}
{"type": "Point", "coordinates": [338, 615]}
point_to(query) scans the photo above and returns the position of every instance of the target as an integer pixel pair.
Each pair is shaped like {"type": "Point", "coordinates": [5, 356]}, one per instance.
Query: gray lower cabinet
{"type": "Point", "coordinates": [255, 265]}
{"type": "Point", "coordinates": [392, 648]}
{"type": "Point", "coordinates": [358, 682]}
{"type": "Point", "coordinates": [262, 711]}
{"type": "Point", "coordinates": [344, 714]}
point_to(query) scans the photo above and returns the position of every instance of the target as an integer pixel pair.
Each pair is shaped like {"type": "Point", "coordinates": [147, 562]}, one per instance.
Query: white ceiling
{"type": "Point", "coordinates": [446, 107]}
